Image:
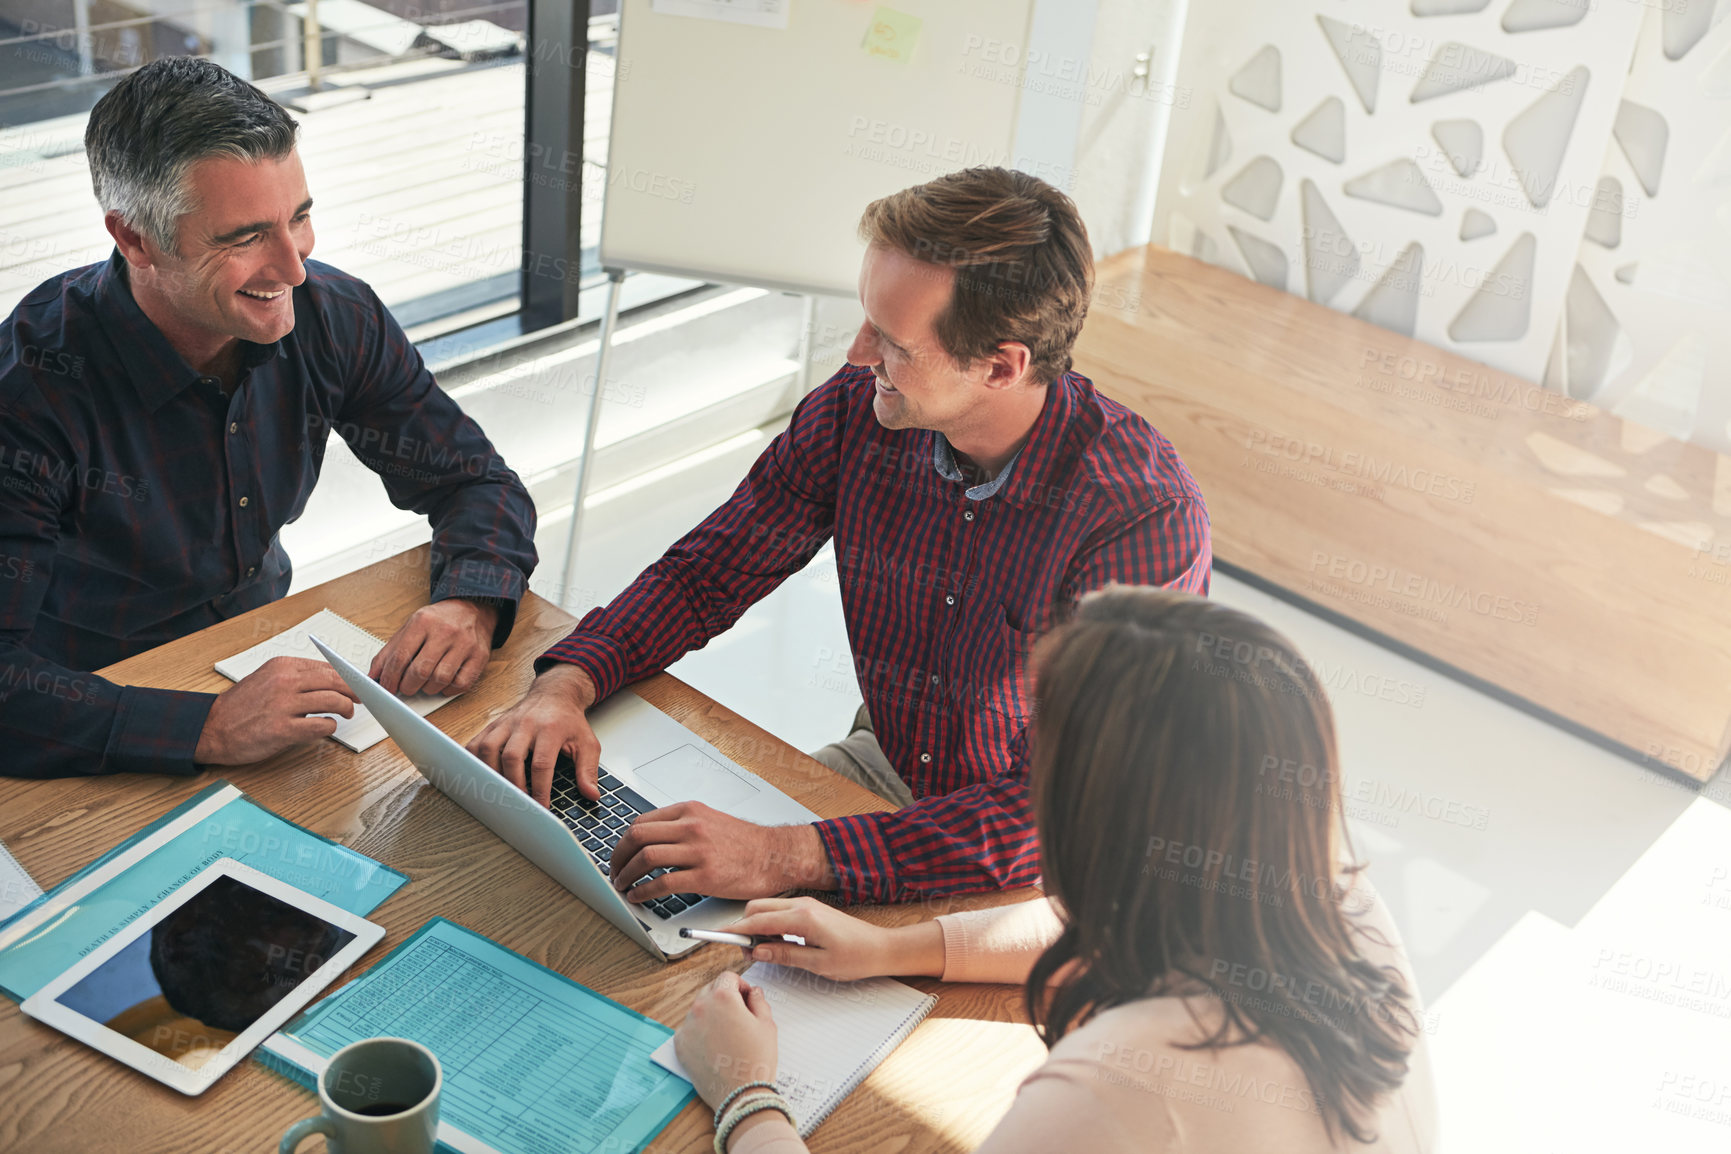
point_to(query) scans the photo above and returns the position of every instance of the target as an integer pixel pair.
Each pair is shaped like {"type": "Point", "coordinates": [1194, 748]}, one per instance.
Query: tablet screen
{"type": "Point", "coordinates": [206, 971]}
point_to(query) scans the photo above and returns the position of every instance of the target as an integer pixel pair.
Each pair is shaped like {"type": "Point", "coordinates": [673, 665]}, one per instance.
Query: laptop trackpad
{"type": "Point", "coordinates": [689, 774]}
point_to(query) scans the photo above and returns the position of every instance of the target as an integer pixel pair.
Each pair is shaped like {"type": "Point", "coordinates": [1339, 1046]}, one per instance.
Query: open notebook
{"type": "Point", "coordinates": [830, 1035]}
{"type": "Point", "coordinates": [359, 732]}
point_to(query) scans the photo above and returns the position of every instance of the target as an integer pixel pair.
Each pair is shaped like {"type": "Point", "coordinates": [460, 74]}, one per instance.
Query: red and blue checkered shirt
{"type": "Point", "coordinates": [943, 595]}
{"type": "Point", "coordinates": [139, 504]}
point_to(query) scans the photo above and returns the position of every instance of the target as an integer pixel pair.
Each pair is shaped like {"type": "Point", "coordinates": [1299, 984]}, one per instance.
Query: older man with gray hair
{"type": "Point", "coordinates": [165, 412]}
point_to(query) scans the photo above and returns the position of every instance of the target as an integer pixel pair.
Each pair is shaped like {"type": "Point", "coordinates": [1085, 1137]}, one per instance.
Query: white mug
{"type": "Point", "coordinates": [380, 1096]}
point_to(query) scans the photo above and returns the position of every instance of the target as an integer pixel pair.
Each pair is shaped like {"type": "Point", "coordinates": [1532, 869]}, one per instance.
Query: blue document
{"type": "Point", "coordinates": [41, 940]}
{"type": "Point", "coordinates": [533, 1062]}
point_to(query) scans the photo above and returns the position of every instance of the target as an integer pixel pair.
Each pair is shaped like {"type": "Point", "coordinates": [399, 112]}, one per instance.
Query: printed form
{"type": "Point", "coordinates": [532, 1061]}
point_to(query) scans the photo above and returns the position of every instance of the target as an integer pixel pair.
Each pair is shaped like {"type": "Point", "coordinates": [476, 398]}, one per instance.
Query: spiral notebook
{"type": "Point", "coordinates": [17, 888]}
{"type": "Point", "coordinates": [830, 1035]}
{"type": "Point", "coordinates": [359, 732]}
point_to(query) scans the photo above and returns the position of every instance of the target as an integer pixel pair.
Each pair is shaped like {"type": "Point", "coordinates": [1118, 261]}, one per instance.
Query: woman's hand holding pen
{"type": "Point", "coordinates": [838, 946]}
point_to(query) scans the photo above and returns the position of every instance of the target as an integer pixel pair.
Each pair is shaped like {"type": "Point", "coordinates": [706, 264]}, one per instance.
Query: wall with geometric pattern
{"type": "Point", "coordinates": [1443, 167]}
{"type": "Point", "coordinates": [1646, 329]}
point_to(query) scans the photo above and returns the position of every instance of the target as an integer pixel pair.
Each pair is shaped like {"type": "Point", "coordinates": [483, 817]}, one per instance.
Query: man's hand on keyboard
{"type": "Point", "coordinates": [527, 739]}
{"type": "Point", "coordinates": [713, 853]}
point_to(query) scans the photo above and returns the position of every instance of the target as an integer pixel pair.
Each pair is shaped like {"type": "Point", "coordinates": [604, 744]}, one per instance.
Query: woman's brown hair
{"type": "Point", "coordinates": [1185, 783]}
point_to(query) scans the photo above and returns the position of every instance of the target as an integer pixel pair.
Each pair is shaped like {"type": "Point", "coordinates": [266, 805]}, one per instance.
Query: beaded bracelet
{"type": "Point", "coordinates": [737, 1091]}
{"type": "Point", "coordinates": [745, 1109]}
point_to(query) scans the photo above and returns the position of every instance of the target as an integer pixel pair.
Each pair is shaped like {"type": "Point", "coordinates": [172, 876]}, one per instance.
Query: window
{"type": "Point", "coordinates": [412, 129]}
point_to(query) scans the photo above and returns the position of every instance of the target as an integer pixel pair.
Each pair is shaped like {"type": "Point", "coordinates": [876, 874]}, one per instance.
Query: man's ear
{"type": "Point", "coordinates": [1007, 365]}
{"type": "Point", "coordinates": [128, 239]}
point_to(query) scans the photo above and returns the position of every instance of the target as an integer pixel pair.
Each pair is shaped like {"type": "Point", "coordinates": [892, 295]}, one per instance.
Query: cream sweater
{"type": "Point", "coordinates": [1122, 1083]}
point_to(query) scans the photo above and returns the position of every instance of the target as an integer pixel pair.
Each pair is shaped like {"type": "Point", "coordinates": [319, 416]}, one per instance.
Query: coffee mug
{"type": "Point", "coordinates": [380, 1096]}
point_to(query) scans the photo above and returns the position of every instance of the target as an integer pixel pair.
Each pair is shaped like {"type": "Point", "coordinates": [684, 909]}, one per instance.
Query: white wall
{"type": "Point", "coordinates": [1323, 141]}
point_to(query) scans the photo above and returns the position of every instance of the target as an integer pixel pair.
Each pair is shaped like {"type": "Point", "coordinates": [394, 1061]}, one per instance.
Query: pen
{"type": "Point", "coordinates": [727, 939]}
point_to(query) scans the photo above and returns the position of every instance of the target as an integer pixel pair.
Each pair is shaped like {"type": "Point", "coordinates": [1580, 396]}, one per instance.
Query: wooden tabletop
{"type": "Point", "coordinates": [942, 1090]}
{"type": "Point", "coordinates": [1553, 551]}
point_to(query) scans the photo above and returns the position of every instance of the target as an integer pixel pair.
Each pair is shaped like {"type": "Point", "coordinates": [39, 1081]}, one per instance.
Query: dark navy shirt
{"type": "Point", "coordinates": [138, 503]}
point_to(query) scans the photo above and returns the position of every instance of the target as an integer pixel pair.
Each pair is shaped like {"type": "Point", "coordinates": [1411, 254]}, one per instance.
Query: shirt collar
{"type": "Point", "coordinates": [944, 458]}
{"type": "Point", "coordinates": [158, 373]}
{"type": "Point", "coordinates": [1039, 455]}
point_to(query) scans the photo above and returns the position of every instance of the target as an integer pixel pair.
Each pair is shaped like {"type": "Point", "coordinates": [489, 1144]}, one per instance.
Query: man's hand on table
{"type": "Point", "coordinates": [550, 720]}
{"type": "Point", "coordinates": [714, 853]}
{"type": "Point", "coordinates": [268, 710]}
{"type": "Point", "coordinates": [441, 648]}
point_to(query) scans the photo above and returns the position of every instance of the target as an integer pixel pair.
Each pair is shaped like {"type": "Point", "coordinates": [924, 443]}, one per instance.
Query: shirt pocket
{"type": "Point", "coordinates": [1010, 692]}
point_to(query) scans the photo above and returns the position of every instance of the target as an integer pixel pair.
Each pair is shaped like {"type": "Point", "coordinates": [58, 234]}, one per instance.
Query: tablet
{"type": "Point", "coordinates": [203, 976]}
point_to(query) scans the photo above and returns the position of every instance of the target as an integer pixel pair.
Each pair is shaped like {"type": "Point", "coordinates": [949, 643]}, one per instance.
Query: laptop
{"type": "Point", "coordinates": [648, 760]}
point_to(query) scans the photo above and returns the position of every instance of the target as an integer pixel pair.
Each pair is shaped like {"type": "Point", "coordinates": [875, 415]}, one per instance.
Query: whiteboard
{"type": "Point", "coordinates": [746, 154]}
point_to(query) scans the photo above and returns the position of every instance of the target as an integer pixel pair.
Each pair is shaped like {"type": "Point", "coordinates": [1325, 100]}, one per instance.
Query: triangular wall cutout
{"type": "Point", "coordinates": [1536, 139]}
{"type": "Point", "coordinates": [1538, 15]}
{"type": "Point", "coordinates": [1219, 146]}
{"type": "Point", "coordinates": [1330, 256]}
{"type": "Point", "coordinates": [1598, 347]}
{"type": "Point", "coordinates": [1256, 189]}
{"type": "Point", "coordinates": [1605, 217]}
{"type": "Point", "coordinates": [1359, 53]}
{"type": "Point", "coordinates": [1463, 142]}
{"type": "Point", "coordinates": [1267, 261]}
{"type": "Point", "coordinates": [1324, 130]}
{"type": "Point", "coordinates": [1685, 24]}
{"type": "Point", "coordinates": [1457, 67]}
{"type": "Point", "coordinates": [1448, 7]}
{"type": "Point", "coordinates": [1398, 184]}
{"type": "Point", "coordinates": [1642, 134]}
{"type": "Point", "coordinates": [1392, 301]}
{"type": "Point", "coordinates": [1502, 306]}
{"type": "Point", "coordinates": [1476, 223]}
{"type": "Point", "coordinates": [1259, 80]}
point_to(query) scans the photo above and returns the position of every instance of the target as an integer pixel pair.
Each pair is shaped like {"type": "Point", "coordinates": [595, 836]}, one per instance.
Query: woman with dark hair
{"type": "Point", "coordinates": [1210, 969]}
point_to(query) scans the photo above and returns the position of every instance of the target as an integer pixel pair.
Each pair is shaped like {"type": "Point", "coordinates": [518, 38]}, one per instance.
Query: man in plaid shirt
{"type": "Point", "coordinates": [974, 487]}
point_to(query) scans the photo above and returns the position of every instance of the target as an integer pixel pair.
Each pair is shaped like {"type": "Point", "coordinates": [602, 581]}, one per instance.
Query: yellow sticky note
{"type": "Point", "coordinates": [891, 35]}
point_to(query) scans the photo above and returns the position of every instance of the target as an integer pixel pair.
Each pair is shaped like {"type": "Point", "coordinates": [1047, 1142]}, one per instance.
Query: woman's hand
{"type": "Point", "coordinates": [838, 946]}
{"type": "Point", "coordinates": [727, 1038]}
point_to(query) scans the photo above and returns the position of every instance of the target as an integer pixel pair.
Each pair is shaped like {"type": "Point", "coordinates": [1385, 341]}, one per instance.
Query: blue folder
{"type": "Point", "coordinates": [533, 1062]}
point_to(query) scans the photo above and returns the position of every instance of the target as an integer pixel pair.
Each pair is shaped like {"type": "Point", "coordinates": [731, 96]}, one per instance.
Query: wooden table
{"type": "Point", "coordinates": [943, 1090]}
{"type": "Point", "coordinates": [1547, 550]}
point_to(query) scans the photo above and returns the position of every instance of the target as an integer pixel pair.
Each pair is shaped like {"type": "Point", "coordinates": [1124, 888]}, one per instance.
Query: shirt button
{"type": "Point", "coordinates": [925, 758]}
{"type": "Point", "coordinates": [967, 514]}
{"type": "Point", "coordinates": [243, 502]}
{"type": "Point", "coordinates": [234, 427]}
{"type": "Point", "coordinates": [949, 599]}
{"type": "Point", "coordinates": [934, 679]}
{"type": "Point", "coordinates": [251, 569]}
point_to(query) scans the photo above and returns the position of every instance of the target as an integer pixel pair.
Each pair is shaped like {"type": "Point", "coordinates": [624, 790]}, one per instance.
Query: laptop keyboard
{"type": "Point", "coordinates": [600, 824]}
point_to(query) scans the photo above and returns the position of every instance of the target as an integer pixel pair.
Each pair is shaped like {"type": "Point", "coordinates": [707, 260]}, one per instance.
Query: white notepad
{"type": "Point", "coordinates": [17, 888]}
{"type": "Point", "coordinates": [359, 732]}
{"type": "Point", "coordinates": [829, 1035]}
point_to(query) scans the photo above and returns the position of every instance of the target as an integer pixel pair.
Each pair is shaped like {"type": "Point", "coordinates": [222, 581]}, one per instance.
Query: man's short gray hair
{"type": "Point", "coordinates": [145, 135]}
